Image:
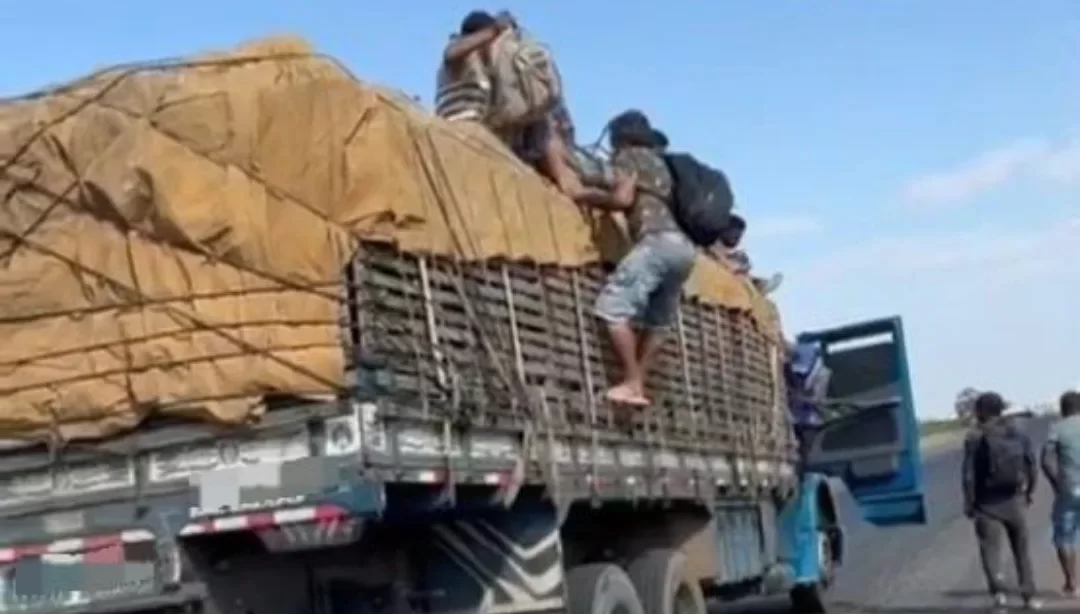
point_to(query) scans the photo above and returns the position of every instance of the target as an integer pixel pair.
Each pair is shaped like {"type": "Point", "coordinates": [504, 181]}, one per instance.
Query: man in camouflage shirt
{"type": "Point", "coordinates": [640, 298]}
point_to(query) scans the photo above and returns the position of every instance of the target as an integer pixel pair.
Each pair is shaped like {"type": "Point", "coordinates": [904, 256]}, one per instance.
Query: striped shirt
{"type": "Point", "coordinates": [466, 96]}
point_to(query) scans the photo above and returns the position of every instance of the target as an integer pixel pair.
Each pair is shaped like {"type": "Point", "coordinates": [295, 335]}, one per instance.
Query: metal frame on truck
{"type": "Point", "coordinates": [471, 467]}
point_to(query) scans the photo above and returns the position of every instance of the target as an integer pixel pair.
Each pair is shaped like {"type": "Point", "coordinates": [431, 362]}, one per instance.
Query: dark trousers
{"type": "Point", "coordinates": [804, 436]}
{"type": "Point", "coordinates": [994, 524]}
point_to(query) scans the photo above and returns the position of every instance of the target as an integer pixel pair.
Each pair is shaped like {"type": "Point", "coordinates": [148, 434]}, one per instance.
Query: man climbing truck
{"type": "Point", "coordinates": [280, 343]}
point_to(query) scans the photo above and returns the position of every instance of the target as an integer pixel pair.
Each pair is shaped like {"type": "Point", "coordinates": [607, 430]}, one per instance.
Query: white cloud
{"type": "Point", "coordinates": [782, 227]}
{"type": "Point", "coordinates": [974, 251]}
{"type": "Point", "coordinates": [1023, 159]}
{"type": "Point", "coordinates": [989, 307]}
{"type": "Point", "coordinates": [1061, 165]}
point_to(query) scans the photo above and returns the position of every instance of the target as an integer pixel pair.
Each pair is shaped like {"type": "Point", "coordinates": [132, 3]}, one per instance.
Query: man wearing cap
{"type": "Point", "coordinates": [660, 140]}
{"type": "Point", "coordinates": [640, 298]}
{"type": "Point", "coordinates": [999, 478]}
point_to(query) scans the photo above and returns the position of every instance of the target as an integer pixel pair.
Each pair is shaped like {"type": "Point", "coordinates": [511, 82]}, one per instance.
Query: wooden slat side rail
{"type": "Point", "coordinates": [713, 382]}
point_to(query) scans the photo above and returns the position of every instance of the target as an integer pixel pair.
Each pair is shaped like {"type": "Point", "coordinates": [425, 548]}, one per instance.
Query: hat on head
{"type": "Point", "coordinates": [632, 127]}
{"type": "Point", "coordinates": [660, 139]}
{"type": "Point", "coordinates": [990, 404]}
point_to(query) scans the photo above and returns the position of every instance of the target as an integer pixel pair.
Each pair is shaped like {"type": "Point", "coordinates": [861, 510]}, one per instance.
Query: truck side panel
{"type": "Point", "coordinates": [516, 346]}
{"type": "Point", "coordinates": [484, 560]}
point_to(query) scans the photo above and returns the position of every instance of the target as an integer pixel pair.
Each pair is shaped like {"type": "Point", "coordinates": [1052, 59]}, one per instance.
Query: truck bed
{"type": "Point", "coordinates": [483, 376]}
{"type": "Point", "coordinates": [468, 369]}
{"type": "Point", "coordinates": [512, 348]}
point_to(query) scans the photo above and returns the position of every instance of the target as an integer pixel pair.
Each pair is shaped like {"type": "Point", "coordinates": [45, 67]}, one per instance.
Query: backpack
{"type": "Point", "coordinates": [701, 201]}
{"type": "Point", "coordinates": [1005, 455]}
{"type": "Point", "coordinates": [527, 82]}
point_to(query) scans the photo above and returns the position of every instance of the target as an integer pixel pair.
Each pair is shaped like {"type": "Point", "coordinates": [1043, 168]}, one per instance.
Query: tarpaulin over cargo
{"type": "Point", "coordinates": [172, 238]}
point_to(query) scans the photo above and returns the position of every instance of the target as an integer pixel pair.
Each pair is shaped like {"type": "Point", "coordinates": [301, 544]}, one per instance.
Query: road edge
{"type": "Point", "coordinates": [940, 442]}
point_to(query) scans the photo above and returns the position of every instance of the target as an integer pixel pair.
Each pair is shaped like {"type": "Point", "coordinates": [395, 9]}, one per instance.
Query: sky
{"type": "Point", "coordinates": [916, 158]}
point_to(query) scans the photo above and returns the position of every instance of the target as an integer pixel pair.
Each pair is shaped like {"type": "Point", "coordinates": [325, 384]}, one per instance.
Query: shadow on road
{"type": "Point", "coordinates": [1053, 603]}
{"type": "Point", "coordinates": [976, 603]}
{"type": "Point", "coordinates": [981, 594]}
{"type": "Point", "coordinates": [934, 609]}
{"type": "Point", "coordinates": [921, 610]}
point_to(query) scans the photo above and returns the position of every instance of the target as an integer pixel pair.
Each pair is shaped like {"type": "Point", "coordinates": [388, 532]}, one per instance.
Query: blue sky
{"type": "Point", "coordinates": [917, 157]}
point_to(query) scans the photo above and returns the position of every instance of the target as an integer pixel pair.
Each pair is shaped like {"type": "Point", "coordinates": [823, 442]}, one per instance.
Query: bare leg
{"type": "Point", "coordinates": [649, 341]}
{"type": "Point", "coordinates": [625, 342]}
{"type": "Point", "coordinates": [1065, 539]}
{"type": "Point", "coordinates": [558, 169]}
{"type": "Point", "coordinates": [1067, 558]}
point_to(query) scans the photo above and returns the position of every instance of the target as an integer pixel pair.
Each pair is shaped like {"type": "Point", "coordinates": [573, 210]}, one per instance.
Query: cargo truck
{"type": "Point", "coordinates": [446, 446]}
{"type": "Point", "coordinates": [472, 467]}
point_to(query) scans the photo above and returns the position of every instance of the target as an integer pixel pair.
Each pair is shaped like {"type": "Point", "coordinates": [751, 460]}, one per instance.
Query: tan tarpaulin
{"type": "Point", "coordinates": [174, 238]}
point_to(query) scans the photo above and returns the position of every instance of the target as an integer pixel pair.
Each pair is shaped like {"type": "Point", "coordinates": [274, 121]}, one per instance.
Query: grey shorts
{"type": "Point", "coordinates": [646, 286]}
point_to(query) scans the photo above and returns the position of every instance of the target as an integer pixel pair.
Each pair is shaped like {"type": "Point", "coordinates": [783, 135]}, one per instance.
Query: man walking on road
{"type": "Point", "coordinates": [1061, 464]}
{"type": "Point", "coordinates": [999, 478]}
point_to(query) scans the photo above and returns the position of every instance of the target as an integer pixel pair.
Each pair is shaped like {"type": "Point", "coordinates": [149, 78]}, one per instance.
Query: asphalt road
{"type": "Point", "coordinates": [930, 569]}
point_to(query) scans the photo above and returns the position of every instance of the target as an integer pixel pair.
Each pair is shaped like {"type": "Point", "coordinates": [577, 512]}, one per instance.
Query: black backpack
{"type": "Point", "coordinates": [701, 199]}
{"type": "Point", "coordinates": [1005, 455]}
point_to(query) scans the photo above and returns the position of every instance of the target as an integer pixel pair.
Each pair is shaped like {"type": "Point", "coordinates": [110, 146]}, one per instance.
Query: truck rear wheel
{"type": "Point", "coordinates": [601, 588]}
{"type": "Point", "coordinates": [663, 585]}
{"type": "Point", "coordinates": [827, 557]}
{"type": "Point", "coordinates": [807, 600]}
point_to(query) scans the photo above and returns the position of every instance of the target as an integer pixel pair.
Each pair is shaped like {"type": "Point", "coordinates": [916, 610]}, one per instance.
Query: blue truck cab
{"type": "Point", "coordinates": [869, 442]}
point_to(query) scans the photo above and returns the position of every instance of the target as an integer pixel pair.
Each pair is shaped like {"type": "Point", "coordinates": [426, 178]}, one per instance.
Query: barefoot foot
{"type": "Point", "coordinates": [627, 394]}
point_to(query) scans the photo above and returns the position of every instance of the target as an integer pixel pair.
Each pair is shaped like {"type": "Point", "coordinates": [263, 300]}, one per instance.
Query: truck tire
{"type": "Point", "coordinates": [663, 585]}
{"type": "Point", "coordinates": [807, 600]}
{"type": "Point", "coordinates": [827, 554]}
{"type": "Point", "coordinates": [601, 588]}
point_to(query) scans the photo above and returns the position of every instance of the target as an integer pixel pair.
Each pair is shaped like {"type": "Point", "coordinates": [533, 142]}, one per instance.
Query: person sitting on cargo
{"type": "Point", "coordinates": [640, 298]}
{"type": "Point", "coordinates": [463, 85]}
{"type": "Point", "coordinates": [547, 145]}
{"type": "Point", "coordinates": [728, 253]}
{"type": "Point", "coordinates": [526, 106]}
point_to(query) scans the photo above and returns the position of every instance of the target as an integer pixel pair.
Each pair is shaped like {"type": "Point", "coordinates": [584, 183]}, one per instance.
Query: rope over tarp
{"type": "Point", "coordinates": [174, 233]}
